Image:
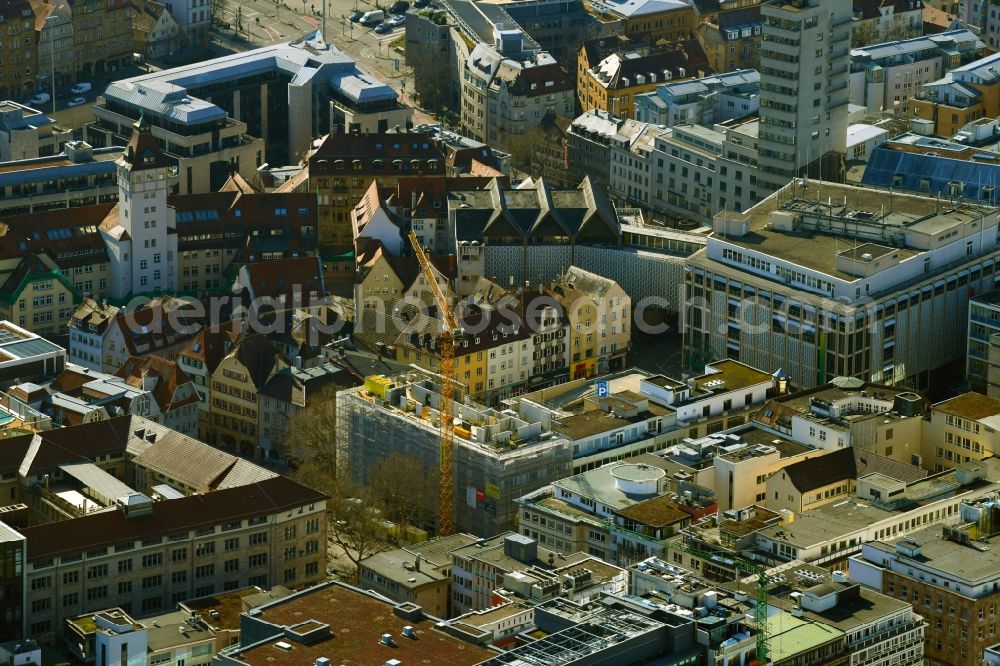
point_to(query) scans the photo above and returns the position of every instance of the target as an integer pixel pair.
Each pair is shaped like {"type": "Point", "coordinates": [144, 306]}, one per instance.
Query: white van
{"type": "Point", "coordinates": [372, 18]}
{"type": "Point", "coordinates": [40, 98]}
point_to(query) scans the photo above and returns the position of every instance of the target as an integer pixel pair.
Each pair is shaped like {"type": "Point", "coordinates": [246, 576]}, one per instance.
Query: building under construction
{"type": "Point", "coordinates": [498, 455]}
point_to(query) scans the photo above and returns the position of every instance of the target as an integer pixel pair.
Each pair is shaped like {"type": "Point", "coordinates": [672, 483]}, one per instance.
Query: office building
{"type": "Point", "coordinates": [420, 573]}
{"type": "Point", "coordinates": [589, 146]}
{"type": "Point", "coordinates": [731, 34]}
{"type": "Point", "coordinates": [696, 171]}
{"type": "Point", "coordinates": [228, 103]}
{"type": "Point", "coordinates": [785, 281]}
{"type": "Point", "coordinates": [621, 513]}
{"type": "Point", "coordinates": [630, 154]}
{"type": "Point", "coordinates": [97, 538]}
{"type": "Point", "coordinates": [879, 21]}
{"type": "Point", "coordinates": [984, 323]}
{"type": "Point", "coordinates": [837, 475]}
{"type": "Point", "coordinates": [158, 571]}
{"type": "Point", "coordinates": [878, 629]}
{"type": "Point", "coordinates": [884, 420]}
{"type": "Point", "coordinates": [881, 508]}
{"type": "Point", "coordinates": [194, 17]}
{"type": "Point", "coordinates": [702, 101]}
{"type": "Point", "coordinates": [961, 430]}
{"type": "Point", "coordinates": [644, 412]}
{"type": "Point", "coordinates": [627, 629]}
{"type": "Point", "coordinates": [14, 555]}
{"type": "Point", "coordinates": [25, 355]}
{"type": "Point", "coordinates": [27, 133]}
{"type": "Point", "coordinates": [950, 575]}
{"type": "Point", "coordinates": [76, 177]}
{"type": "Point", "coordinates": [504, 74]}
{"type": "Point", "coordinates": [512, 566]}
{"type": "Point", "coordinates": [962, 95]}
{"type": "Point", "coordinates": [498, 456]}
{"type": "Point", "coordinates": [804, 88]}
{"type": "Point", "coordinates": [343, 169]}
{"type": "Point", "coordinates": [884, 77]}
{"type": "Point", "coordinates": [611, 74]}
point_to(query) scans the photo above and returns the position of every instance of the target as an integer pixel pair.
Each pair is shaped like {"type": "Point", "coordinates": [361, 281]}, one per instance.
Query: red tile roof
{"type": "Point", "coordinates": [168, 378]}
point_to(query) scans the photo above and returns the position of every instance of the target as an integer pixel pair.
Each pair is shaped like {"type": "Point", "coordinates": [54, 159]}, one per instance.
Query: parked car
{"type": "Point", "coordinates": [420, 4]}
{"type": "Point", "coordinates": [396, 21]}
{"type": "Point", "coordinates": [80, 88]}
{"type": "Point", "coordinates": [383, 28]}
{"type": "Point", "coordinates": [76, 101]}
{"type": "Point", "coordinates": [40, 98]}
{"type": "Point", "coordinates": [372, 18]}
{"type": "Point", "coordinates": [356, 16]}
{"type": "Point", "coordinates": [399, 7]}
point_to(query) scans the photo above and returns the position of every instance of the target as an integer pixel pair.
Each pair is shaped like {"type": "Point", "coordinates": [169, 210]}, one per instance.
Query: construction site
{"type": "Point", "coordinates": [497, 455]}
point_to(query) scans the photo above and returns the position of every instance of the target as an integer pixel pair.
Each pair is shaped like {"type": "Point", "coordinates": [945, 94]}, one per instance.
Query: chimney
{"type": "Point", "coordinates": [416, 562]}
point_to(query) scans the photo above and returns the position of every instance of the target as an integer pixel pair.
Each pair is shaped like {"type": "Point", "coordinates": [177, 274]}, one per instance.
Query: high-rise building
{"type": "Point", "coordinates": [804, 74]}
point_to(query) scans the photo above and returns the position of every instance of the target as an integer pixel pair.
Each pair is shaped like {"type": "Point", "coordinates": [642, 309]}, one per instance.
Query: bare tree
{"type": "Point", "coordinates": [354, 530]}
{"type": "Point", "coordinates": [312, 433]}
{"type": "Point", "coordinates": [215, 11]}
{"type": "Point", "coordinates": [405, 489]}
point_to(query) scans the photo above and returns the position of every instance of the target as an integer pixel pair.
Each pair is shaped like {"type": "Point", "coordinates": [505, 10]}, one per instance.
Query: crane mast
{"type": "Point", "coordinates": [446, 344]}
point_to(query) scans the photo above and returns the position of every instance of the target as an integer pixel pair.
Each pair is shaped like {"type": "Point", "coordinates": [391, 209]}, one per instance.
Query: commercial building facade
{"type": "Point", "coordinates": [831, 306]}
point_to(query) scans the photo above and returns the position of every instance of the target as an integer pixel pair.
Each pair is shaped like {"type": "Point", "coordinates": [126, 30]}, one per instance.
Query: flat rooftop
{"type": "Point", "coordinates": [596, 421]}
{"type": "Point", "coordinates": [754, 436]}
{"type": "Point", "coordinates": [831, 521]}
{"type": "Point", "coordinates": [357, 620]}
{"type": "Point", "coordinates": [964, 561]}
{"type": "Point", "coordinates": [221, 610]}
{"type": "Point", "coordinates": [17, 343]}
{"type": "Point", "coordinates": [494, 614]}
{"type": "Point", "coordinates": [790, 636]}
{"type": "Point", "coordinates": [601, 485]}
{"type": "Point", "coordinates": [989, 298]}
{"type": "Point", "coordinates": [970, 405]}
{"type": "Point", "coordinates": [819, 251]}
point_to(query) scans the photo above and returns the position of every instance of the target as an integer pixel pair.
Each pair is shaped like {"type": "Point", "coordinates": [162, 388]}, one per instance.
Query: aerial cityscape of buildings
{"type": "Point", "coordinates": [525, 332]}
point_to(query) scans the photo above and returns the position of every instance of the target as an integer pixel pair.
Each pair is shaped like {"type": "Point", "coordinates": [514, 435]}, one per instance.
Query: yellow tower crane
{"type": "Point", "coordinates": [446, 346]}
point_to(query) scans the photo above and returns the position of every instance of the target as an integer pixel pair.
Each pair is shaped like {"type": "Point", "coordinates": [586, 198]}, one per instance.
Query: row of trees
{"type": "Point", "coordinates": [398, 489]}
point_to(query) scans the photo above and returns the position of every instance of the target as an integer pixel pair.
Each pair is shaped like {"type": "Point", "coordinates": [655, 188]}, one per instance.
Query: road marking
{"type": "Point", "coordinates": [311, 21]}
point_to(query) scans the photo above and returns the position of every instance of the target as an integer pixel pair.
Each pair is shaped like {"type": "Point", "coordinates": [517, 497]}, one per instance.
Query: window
{"type": "Point", "coordinates": [97, 593]}
{"type": "Point", "coordinates": [124, 566]}
{"type": "Point", "coordinates": [204, 571]}
{"type": "Point", "coordinates": [178, 555]}
{"type": "Point", "coordinates": [98, 571]}
{"type": "Point", "coordinates": [152, 560]}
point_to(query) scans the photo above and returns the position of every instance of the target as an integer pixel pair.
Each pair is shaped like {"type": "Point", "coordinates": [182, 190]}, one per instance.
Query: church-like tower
{"type": "Point", "coordinates": [143, 251]}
